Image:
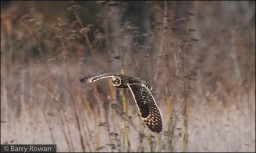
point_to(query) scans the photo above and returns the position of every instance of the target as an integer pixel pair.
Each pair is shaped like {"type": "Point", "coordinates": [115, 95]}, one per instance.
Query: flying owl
{"type": "Point", "coordinates": [140, 90]}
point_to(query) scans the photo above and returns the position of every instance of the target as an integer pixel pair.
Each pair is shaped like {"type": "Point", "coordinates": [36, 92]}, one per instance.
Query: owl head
{"type": "Point", "coordinates": [116, 81]}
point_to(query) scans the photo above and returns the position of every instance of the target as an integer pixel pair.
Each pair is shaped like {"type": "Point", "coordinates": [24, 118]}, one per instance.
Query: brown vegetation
{"type": "Point", "coordinates": [199, 58]}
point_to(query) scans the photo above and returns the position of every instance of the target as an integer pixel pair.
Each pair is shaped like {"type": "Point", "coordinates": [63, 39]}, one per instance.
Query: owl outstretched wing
{"type": "Point", "coordinates": [147, 106]}
{"type": "Point", "coordinates": [93, 78]}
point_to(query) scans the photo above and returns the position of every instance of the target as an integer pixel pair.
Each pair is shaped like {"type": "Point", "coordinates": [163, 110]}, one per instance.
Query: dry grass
{"type": "Point", "coordinates": [205, 91]}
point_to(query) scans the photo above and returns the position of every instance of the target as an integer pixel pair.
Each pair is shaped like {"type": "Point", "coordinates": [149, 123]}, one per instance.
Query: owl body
{"type": "Point", "coordinates": [140, 90]}
{"type": "Point", "coordinates": [125, 79]}
{"type": "Point", "coordinates": [121, 81]}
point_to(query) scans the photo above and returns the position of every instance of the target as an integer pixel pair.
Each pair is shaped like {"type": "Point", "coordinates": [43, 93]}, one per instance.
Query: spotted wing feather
{"type": "Point", "coordinates": [147, 106]}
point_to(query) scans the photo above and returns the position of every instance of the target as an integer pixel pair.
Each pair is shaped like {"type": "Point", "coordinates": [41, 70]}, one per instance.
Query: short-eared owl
{"type": "Point", "coordinates": [140, 90]}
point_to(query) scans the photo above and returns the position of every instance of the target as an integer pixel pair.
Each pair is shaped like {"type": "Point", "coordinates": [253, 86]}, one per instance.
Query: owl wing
{"type": "Point", "coordinates": [147, 106]}
{"type": "Point", "coordinates": [90, 79]}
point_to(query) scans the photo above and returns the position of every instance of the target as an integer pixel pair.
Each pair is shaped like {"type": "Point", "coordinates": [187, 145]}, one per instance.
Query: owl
{"type": "Point", "coordinates": [145, 102]}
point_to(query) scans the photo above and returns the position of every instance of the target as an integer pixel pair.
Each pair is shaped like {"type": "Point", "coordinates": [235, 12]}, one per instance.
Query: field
{"type": "Point", "coordinates": [199, 57]}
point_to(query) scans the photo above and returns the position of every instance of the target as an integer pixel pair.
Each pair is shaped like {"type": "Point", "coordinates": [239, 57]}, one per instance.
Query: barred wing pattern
{"type": "Point", "coordinates": [147, 106]}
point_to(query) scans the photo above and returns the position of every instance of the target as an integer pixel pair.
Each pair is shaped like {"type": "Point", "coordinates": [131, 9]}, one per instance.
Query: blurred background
{"type": "Point", "coordinates": [198, 56]}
